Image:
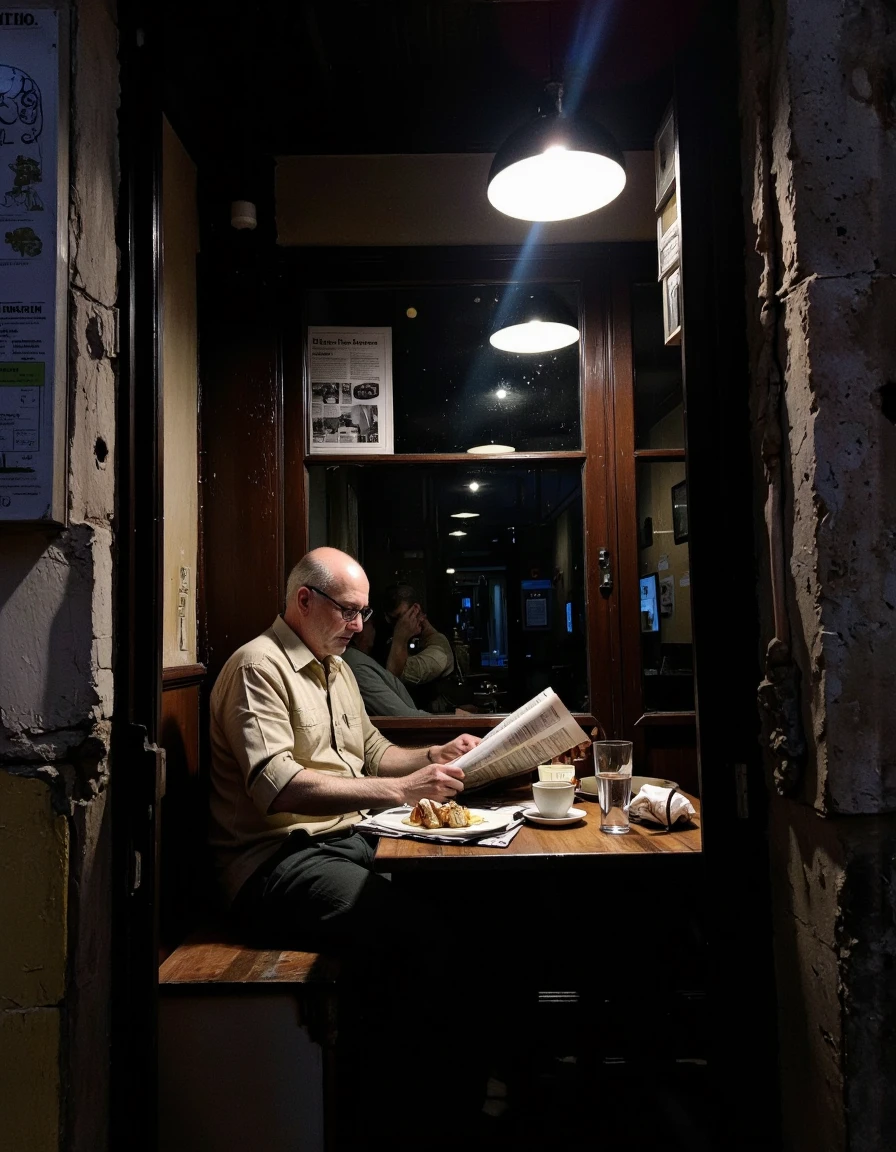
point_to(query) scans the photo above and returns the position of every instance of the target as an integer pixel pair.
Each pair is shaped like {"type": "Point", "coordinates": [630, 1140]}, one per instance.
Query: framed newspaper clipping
{"type": "Point", "coordinates": [34, 70]}
{"type": "Point", "coordinates": [349, 399]}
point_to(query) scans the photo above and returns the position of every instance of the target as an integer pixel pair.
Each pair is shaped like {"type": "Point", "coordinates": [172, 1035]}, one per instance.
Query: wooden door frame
{"type": "Point", "coordinates": [137, 763]}
{"type": "Point", "coordinates": [743, 1049]}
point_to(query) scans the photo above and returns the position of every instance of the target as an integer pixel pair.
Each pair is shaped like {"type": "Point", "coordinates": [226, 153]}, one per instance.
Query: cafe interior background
{"type": "Point", "coordinates": [322, 164]}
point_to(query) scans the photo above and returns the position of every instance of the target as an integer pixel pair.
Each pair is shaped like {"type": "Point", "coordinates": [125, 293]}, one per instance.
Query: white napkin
{"type": "Point", "coordinates": [651, 802]}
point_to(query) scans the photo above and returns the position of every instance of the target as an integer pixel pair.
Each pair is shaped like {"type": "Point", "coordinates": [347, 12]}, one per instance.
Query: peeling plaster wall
{"type": "Point", "coordinates": [819, 158]}
{"type": "Point", "coordinates": [56, 691]}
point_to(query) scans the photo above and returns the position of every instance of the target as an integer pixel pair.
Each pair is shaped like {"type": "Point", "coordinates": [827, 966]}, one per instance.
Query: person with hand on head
{"type": "Point", "coordinates": [382, 692]}
{"type": "Point", "coordinates": [428, 670]}
{"type": "Point", "coordinates": [296, 763]}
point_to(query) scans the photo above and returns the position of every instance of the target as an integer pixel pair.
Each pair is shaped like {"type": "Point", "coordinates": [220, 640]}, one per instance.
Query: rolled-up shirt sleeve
{"type": "Point", "coordinates": [375, 744]}
{"type": "Point", "coordinates": [432, 661]}
{"type": "Point", "coordinates": [256, 722]}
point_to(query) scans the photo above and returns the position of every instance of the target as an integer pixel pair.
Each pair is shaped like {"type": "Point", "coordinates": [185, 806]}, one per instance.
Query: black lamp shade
{"type": "Point", "coordinates": [556, 168]}
{"type": "Point", "coordinates": [532, 320]}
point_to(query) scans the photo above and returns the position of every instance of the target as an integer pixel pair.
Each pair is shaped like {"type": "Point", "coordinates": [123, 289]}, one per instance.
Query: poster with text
{"type": "Point", "coordinates": [350, 381]}
{"type": "Point", "coordinates": [33, 236]}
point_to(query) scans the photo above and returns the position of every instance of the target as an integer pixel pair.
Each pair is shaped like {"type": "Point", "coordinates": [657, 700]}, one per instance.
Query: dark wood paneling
{"type": "Point", "coordinates": [598, 503]}
{"type": "Point", "coordinates": [184, 874]}
{"type": "Point", "coordinates": [241, 471]}
{"type": "Point", "coordinates": [670, 751]}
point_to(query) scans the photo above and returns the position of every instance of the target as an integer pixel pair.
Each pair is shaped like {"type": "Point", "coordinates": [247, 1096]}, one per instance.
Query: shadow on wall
{"type": "Point", "coordinates": [47, 632]}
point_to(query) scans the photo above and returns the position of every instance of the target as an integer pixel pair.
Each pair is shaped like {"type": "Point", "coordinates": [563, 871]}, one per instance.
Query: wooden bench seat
{"type": "Point", "coordinates": [246, 1046]}
{"type": "Point", "coordinates": [212, 956]}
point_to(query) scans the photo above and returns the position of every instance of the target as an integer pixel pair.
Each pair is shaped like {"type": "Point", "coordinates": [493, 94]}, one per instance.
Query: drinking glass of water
{"type": "Point", "coordinates": [613, 769]}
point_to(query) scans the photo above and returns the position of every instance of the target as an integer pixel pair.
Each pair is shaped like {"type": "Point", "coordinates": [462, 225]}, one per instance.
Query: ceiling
{"type": "Point", "coordinates": [319, 77]}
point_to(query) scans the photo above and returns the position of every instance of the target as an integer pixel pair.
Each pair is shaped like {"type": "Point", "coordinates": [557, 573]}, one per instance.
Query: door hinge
{"type": "Point", "coordinates": [606, 571]}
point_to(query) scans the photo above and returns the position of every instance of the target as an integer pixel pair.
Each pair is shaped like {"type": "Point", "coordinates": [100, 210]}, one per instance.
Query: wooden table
{"type": "Point", "coordinates": [536, 846]}
{"type": "Point", "coordinates": [541, 916]}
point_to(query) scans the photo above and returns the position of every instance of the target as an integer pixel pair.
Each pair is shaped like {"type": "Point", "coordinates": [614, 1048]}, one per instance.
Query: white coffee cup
{"type": "Point", "coordinates": [553, 798]}
{"type": "Point", "coordinates": [562, 772]}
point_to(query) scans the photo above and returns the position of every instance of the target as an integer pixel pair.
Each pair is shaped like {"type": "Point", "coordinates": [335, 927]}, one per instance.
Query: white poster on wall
{"type": "Point", "coordinates": [33, 260]}
{"type": "Point", "coordinates": [350, 391]}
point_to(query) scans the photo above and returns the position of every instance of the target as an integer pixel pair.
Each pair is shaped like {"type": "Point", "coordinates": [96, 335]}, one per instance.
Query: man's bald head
{"type": "Point", "coordinates": [325, 568]}
{"type": "Point", "coordinates": [322, 576]}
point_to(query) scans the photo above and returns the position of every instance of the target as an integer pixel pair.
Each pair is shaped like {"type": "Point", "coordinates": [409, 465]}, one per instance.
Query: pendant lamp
{"type": "Point", "coordinates": [533, 320]}
{"type": "Point", "coordinates": [556, 167]}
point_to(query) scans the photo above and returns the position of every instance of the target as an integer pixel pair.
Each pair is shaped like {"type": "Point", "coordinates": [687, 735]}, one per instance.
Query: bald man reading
{"type": "Point", "coordinates": [296, 763]}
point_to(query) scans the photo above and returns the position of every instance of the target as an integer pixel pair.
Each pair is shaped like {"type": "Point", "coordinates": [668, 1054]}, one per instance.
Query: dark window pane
{"type": "Point", "coordinates": [659, 412]}
{"type": "Point", "coordinates": [664, 571]}
{"type": "Point", "coordinates": [452, 389]}
{"type": "Point", "coordinates": [513, 602]}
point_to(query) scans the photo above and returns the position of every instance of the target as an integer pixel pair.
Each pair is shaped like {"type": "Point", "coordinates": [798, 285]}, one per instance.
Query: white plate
{"type": "Point", "coordinates": [395, 818]}
{"type": "Point", "coordinates": [573, 816]}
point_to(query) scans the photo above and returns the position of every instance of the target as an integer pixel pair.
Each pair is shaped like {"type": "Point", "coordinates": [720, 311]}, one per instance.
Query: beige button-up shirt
{"type": "Point", "coordinates": [277, 710]}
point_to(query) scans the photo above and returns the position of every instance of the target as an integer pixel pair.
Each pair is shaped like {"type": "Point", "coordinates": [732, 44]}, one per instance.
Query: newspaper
{"type": "Point", "coordinates": [536, 732]}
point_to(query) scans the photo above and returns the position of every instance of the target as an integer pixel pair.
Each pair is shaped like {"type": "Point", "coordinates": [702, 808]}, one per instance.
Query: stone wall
{"type": "Point", "coordinates": [819, 158]}
{"type": "Point", "coordinates": [56, 640]}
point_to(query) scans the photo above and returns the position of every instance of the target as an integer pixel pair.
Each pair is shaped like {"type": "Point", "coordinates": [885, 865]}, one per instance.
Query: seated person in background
{"type": "Point", "coordinates": [383, 694]}
{"type": "Point", "coordinates": [429, 670]}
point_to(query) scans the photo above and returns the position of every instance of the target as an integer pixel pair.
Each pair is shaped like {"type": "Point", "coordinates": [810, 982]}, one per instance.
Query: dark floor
{"type": "Point", "coordinates": [568, 1106]}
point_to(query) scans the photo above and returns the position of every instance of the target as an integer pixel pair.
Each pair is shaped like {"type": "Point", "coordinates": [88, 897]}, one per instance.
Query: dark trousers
{"type": "Point", "coordinates": [317, 893]}
{"type": "Point", "coordinates": [397, 978]}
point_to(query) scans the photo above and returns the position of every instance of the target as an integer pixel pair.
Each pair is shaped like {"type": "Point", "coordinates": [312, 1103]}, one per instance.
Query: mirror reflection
{"type": "Point", "coordinates": [492, 555]}
{"type": "Point", "coordinates": [453, 388]}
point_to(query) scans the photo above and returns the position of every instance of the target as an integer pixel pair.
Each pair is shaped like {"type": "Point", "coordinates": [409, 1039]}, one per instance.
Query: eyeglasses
{"type": "Point", "coordinates": [348, 614]}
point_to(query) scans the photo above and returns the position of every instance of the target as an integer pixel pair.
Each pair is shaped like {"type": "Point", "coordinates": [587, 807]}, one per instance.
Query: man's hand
{"type": "Point", "coordinates": [434, 782]}
{"type": "Point", "coordinates": [445, 753]}
{"type": "Point", "coordinates": [426, 627]}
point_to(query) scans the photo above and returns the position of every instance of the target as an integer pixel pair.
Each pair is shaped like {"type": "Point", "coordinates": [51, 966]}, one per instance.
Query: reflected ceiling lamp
{"type": "Point", "coordinates": [490, 450]}
{"type": "Point", "coordinates": [556, 167]}
{"type": "Point", "coordinates": [531, 321]}
{"type": "Point", "coordinates": [464, 515]}
{"type": "Point", "coordinates": [457, 533]}
{"type": "Point", "coordinates": [473, 485]}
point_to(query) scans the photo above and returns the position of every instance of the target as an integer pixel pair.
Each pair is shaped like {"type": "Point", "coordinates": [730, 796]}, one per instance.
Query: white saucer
{"type": "Point", "coordinates": [573, 816]}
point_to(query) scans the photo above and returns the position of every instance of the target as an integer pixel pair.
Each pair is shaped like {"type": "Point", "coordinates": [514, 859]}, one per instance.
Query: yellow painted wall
{"type": "Point", "coordinates": [29, 1081]}
{"type": "Point", "coordinates": [33, 933]}
{"type": "Point", "coordinates": [33, 891]}
{"type": "Point", "coordinates": [180, 223]}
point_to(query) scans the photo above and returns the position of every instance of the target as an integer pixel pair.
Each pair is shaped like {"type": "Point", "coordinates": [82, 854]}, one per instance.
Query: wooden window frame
{"type": "Point", "coordinates": [589, 265]}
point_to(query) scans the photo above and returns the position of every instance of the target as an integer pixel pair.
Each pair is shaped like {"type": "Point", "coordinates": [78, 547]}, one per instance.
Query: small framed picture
{"type": "Point", "coordinates": [672, 306]}
{"type": "Point", "coordinates": [667, 247]}
{"type": "Point", "coordinates": [680, 512]}
{"type": "Point", "coordinates": [664, 158]}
